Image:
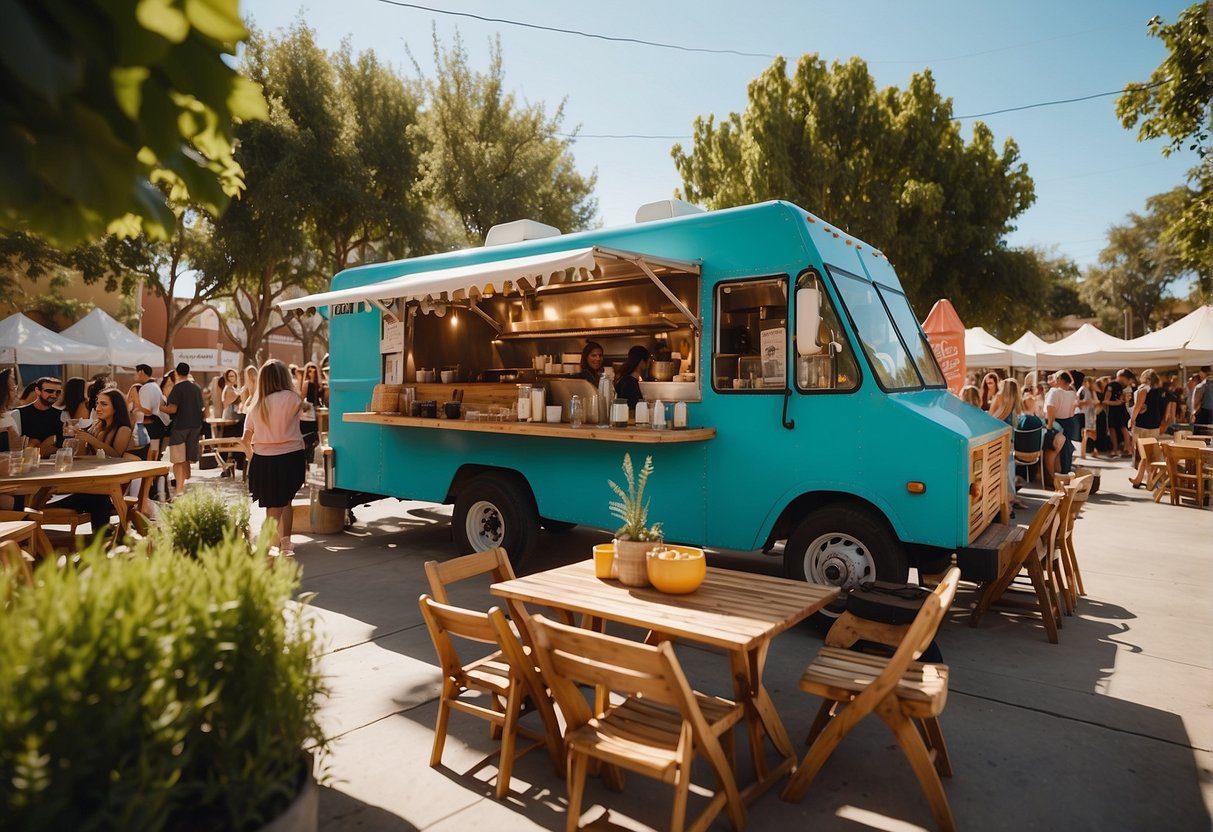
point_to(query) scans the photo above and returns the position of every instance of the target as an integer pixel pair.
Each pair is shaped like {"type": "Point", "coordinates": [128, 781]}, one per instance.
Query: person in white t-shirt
{"type": "Point", "coordinates": [1060, 403]}
{"type": "Point", "coordinates": [150, 399]}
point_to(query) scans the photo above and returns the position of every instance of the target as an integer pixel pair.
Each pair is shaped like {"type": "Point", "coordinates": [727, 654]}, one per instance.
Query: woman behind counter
{"type": "Point", "coordinates": [628, 386]}
{"type": "Point", "coordinates": [591, 362]}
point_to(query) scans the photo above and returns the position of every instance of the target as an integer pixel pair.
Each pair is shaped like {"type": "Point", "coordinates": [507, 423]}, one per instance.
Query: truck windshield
{"type": "Point", "coordinates": [912, 337]}
{"type": "Point", "coordinates": [883, 346]}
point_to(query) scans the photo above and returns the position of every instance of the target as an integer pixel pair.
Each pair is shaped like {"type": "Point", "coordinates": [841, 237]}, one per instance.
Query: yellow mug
{"type": "Point", "coordinates": [604, 561]}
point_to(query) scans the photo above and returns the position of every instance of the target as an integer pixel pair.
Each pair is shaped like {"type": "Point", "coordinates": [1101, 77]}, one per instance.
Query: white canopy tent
{"type": "Point", "coordinates": [1029, 344]}
{"type": "Point", "coordinates": [122, 346]}
{"type": "Point", "coordinates": [1188, 341]}
{"type": "Point", "coordinates": [984, 350]}
{"type": "Point", "coordinates": [35, 344]}
{"type": "Point", "coordinates": [1088, 346]}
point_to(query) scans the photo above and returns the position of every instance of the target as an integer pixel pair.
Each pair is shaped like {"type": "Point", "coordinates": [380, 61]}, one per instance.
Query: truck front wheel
{"type": "Point", "coordinates": [844, 545]}
{"type": "Point", "coordinates": [492, 511]}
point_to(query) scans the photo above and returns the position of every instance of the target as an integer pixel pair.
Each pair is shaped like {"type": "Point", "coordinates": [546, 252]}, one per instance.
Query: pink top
{"type": "Point", "coordinates": [279, 433]}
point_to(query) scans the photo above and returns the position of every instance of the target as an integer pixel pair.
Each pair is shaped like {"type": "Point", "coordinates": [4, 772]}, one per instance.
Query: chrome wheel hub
{"type": "Point", "coordinates": [839, 560]}
{"type": "Point", "coordinates": [485, 526]}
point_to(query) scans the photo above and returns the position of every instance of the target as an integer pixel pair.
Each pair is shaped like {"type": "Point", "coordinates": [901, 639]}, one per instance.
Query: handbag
{"type": "Point", "coordinates": [140, 435]}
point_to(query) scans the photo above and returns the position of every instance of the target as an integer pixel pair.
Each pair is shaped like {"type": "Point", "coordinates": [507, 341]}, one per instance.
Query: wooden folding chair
{"type": "Point", "coordinates": [1065, 538]}
{"type": "Point", "coordinates": [1185, 473]}
{"type": "Point", "coordinates": [507, 674]}
{"type": "Point", "coordinates": [492, 562]}
{"type": "Point", "coordinates": [25, 527]}
{"type": "Point", "coordinates": [1033, 554]}
{"type": "Point", "coordinates": [908, 695]}
{"type": "Point", "coordinates": [656, 731]}
{"type": "Point", "coordinates": [16, 561]}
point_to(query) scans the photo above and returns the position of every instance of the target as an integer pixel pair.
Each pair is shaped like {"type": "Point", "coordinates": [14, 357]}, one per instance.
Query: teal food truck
{"type": "Point", "coordinates": [817, 422]}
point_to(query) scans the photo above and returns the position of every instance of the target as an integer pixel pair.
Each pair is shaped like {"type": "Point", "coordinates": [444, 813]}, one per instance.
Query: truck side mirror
{"type": "Point", "coordinates": [808, 320]}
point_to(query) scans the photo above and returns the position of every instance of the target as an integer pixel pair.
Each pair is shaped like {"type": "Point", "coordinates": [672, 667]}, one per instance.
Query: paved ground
{"type": "Point", "coordinates": [1110, 729]}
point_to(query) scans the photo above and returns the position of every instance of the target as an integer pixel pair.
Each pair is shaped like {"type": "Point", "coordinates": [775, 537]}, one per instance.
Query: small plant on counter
{"type": "Point", "coordinates": [631, 508]}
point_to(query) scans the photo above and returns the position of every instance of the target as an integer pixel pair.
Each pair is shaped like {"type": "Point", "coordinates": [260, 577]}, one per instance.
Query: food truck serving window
{"type": "Point", "coordinates": [882, 344]}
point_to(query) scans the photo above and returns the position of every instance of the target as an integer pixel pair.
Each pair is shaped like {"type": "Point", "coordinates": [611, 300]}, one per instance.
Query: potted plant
{"type": "Point", "coordinates": [635, 537]}
{"type": "Point", "coordinates": [159, 690]}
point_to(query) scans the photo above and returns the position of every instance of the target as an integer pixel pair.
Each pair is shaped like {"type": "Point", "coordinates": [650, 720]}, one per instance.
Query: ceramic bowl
{"type": "Point", "coordinates": [677, 570]}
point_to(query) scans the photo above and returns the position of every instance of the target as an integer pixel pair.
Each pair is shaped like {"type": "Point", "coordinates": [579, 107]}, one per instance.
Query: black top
{"type": "Point", "coordinates": [187, 397]}
{"type": "Point", "coordinates": [628, 388]}
{"type": "Point", "coordinates": [590, 376]}
{"type": "Point", "coordinates": [39, 424]}
{"type": "Point", "coordinates": [1151, 414]}
{"type": "Point", "coordinates": [1114, 392]}
{"type": "Point", "coordinates": [311, 393]}
{"type": "Point", "coordinates": [1027, 434]}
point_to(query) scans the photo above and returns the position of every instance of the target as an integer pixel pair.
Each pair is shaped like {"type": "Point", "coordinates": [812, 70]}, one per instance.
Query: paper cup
{"type": "Point", "coordinates": [553, 412]}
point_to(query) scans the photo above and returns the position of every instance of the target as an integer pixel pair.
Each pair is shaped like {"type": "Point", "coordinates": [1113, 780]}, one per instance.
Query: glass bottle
{"type": "Point", "coordinates": [524, 402]}
{"type": "Point", "coordinates": [606, 395]}
{"type": "Point", "coordinates": [576, 411]}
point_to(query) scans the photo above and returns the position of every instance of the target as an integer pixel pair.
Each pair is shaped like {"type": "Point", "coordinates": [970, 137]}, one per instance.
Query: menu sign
{"type": "Point", "coordinates": [393, 337]}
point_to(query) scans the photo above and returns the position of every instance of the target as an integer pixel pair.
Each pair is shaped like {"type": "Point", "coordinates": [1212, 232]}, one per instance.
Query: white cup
{"type": "Point", "coordinates": [553, 412]}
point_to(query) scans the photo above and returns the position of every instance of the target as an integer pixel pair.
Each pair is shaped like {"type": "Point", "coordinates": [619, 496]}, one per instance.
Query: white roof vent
{"type": "Point", "coordinates": [517, 231]}
{"type": "Point", "coordinates": [665, 209]}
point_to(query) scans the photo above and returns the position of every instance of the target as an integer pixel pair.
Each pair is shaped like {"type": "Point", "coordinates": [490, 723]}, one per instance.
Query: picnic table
{"type": "Point", "coordinates": [737, 612]}
{"type": "Point", "coordinates": [89, 475]}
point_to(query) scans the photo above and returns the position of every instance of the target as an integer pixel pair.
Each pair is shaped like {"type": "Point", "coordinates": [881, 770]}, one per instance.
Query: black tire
{"type": "Point", "coordinates": [503, 514]}
{"type": "Point", "coordinates": [854, 544]}
{"type": "Point", "coordinates": [557, 526]}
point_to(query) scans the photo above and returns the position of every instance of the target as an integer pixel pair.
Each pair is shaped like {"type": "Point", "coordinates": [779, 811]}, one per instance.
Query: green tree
{"type": "Point", "coordinates": [1174, 105]}
{"type": "Point", "coordinates": [1135, 270]}
{"type": "Point", "coordinates": [100, 100]}
{"type": "Point", "coordinates": [490, 159]}
{"type": "Point", "coordinates": [890, 166]}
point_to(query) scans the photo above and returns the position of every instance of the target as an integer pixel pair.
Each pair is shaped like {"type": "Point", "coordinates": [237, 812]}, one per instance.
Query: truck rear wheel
{"type": "Point", "coordinates": [492, 511]}
{"type": "Point", "coordinates": [844, 545]}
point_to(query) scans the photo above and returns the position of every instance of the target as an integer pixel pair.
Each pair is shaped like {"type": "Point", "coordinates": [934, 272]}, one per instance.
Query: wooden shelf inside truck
{"type": "Point", "coordinates": [562, 430]}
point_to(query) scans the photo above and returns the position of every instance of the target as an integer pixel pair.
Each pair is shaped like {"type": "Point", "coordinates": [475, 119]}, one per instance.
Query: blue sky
{"type": "Point", "coordinates": [1089, 171]}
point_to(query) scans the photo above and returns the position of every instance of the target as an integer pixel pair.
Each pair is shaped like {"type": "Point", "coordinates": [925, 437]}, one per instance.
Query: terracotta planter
{"type": "Point", "coordinates": [631, 557]}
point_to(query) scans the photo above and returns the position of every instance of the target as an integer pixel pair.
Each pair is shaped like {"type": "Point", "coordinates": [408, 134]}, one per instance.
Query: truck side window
{"type": "Point", "coordinates": [834, 368]}
{"type": "Point", "coordinates": [751, 348]}
{"type": "Point", "coordinates": [893, 365]}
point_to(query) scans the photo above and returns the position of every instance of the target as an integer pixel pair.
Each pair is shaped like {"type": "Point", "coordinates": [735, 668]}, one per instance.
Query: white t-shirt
{"type": "Point", "coordinates": [150, 398]}
{"type": "Point", "coordinates": [1062, 402]}
{"type": "Point", "coordinates": [12, 419]}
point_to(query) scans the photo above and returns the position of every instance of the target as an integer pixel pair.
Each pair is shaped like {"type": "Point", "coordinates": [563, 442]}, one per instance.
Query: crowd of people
{"type": "Point", "coordinates": [1102, 415]}
{"type": "Point", "coordinates": [272, 410]}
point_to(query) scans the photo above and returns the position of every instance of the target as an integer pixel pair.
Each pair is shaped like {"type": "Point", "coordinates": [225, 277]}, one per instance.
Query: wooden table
{"type": "Point", "coordinates": [89, 475]}
{"type": "Point", "coordinates": [736, 611]}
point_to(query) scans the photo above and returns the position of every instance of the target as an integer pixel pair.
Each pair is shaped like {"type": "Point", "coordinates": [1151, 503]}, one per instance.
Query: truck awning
{"type": "Point", "coordinates": [484, 279]}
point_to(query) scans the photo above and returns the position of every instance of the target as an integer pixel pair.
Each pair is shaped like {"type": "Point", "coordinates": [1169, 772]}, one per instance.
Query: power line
{"type": "Point", "coordinates": [1061, 101]}
{"type": "Point", "coordinates": [953, 118]}
{"type": "Point", "coordinates": [579, 33]}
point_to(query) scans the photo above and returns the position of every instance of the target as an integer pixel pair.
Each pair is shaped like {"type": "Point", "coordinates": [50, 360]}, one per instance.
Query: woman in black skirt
{"type": "Point", "coordinates": [278, 462]}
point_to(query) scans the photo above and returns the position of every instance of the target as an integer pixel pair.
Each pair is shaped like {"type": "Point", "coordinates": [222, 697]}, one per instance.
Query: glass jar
{"type": "Point", "coordinates": [576, 411]}
{"type": "Point", "coordinates": [524, 402]}
{"type": "Point", "coordinates": [619, 413]}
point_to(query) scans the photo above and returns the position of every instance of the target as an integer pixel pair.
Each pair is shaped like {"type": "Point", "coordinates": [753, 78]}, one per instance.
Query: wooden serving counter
{"type": "Point", "coordinates": [560, 430]}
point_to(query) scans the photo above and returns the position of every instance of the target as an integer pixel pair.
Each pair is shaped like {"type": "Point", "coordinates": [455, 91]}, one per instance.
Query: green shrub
{"type": "Point", "coordinates": [200, 517]}
{"type": "Point", "coordinates": [165, 692]}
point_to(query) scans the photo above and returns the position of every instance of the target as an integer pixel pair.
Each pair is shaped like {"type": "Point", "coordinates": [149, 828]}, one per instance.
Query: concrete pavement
{"type": "Point", "coordinates": [1110, 729]}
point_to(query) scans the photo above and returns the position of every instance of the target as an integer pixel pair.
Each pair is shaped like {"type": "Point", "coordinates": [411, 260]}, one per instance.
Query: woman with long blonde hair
{"type": "Point", "coordinates": [278, 461]}
{"type": "Point", "coordinates": [1008, 406]}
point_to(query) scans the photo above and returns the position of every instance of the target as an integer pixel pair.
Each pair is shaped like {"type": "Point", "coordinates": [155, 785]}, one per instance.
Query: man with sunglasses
{"type": "Point", "coordinates": [41, 421]}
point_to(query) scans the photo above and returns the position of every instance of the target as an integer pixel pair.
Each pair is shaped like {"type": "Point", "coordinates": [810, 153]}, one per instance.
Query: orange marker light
{"type": "Point", "coordinates": [916, 487]}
